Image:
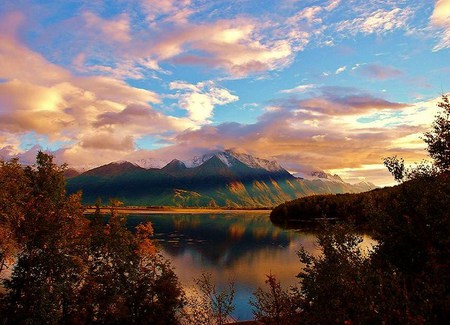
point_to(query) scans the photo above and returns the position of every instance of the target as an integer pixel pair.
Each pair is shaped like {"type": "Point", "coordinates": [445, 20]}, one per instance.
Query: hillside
{"type": "Point", "coordinates": [361, 208]}
{"type": "Point", "coordinates": [225, 179]}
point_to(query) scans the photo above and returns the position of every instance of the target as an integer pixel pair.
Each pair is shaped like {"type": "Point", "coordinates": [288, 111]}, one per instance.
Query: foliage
{"type": "Point", "coordinates": [396, 166]}
{"type": "Point", "coordinates": [208, 305]}
{"type": "Point", "coordinates": [352, 207]}
{"type": "Point", "coordinates": [405, 278]}
{"type": "Point", "coordinates": [438, 138]}
{"type": "Point", "coordinates": [335, 281]}
{"type": "Point", "coordinates": [275, 305]}
{"type": "Point", "coordinates": [68, 269]}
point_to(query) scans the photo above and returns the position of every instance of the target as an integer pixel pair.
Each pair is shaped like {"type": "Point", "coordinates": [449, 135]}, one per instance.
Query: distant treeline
{"type": "Point", "coordinates": [360, 209]}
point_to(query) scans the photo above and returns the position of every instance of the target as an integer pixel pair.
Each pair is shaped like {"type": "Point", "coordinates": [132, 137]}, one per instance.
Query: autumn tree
{"type": "Point", "coordinates": [71, 269]}
{"type": "Point", "coordinates": [14, 190]}
{"type": "Point", "coordinates": [127, 280]}
{"type": "Point", "coordinates": [49, 258]}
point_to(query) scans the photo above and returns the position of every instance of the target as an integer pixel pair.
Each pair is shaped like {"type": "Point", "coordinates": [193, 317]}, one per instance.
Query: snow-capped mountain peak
{"type": "Point", "coordinates": [148, 163]}
{"type": "Point", "coordinates": [319, 175]}
{"type": "Point", "coordinates": [229, 157]}
{"type": "Point", "coordinates": [123, 162]}
{"type": "Point", "coordinates": [254, 162]}
{"type": "Point", "coordinates": [197, 160]}
{"type": "Point", "coordinates": [225, 158]}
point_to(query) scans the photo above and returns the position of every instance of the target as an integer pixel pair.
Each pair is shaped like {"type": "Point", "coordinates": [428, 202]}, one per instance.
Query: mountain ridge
{"type": "Point", "coordinates": [222, 179]}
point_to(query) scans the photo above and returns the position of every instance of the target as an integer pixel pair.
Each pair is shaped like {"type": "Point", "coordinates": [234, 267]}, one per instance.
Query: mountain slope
{"type": "Point", "coordinates": [225, 179]}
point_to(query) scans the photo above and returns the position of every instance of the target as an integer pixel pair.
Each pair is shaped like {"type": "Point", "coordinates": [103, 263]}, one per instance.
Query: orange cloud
{"type": "Point", "coordinates": [232, 45]}
{"type": "Point", "coordinates": [39, 96]}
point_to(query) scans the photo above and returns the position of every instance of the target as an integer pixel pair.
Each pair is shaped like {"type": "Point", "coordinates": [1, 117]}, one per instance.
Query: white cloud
{"type": "Point", "coordinates": [440, 19]}
{"type": "Point", "coordinates": [379, 21]}
{"type": "Point", "coordinates": [332, 5]}
{"type": "Point", "coordinates": [199, 100]}
{"type": "Point", "coordinates": [298, 89]}
{"type": "Point", "coordinates": [341, 69]}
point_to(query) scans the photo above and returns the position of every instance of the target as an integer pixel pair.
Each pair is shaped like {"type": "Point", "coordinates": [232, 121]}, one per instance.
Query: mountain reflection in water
{"type": "Point", "coordinates": [238, 247]}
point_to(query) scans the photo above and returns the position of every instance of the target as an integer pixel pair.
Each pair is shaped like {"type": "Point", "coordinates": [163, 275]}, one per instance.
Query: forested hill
{"type": "Point", "coordinates": [414, 200]}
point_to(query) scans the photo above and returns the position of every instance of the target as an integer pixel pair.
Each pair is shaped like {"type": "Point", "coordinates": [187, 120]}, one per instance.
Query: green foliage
{"type": "Point", "coordinates": [67, 269]}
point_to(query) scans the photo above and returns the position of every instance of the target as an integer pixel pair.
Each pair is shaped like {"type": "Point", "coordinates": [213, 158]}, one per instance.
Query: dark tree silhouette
{"type": "Point", "coordinates": [438, 138]}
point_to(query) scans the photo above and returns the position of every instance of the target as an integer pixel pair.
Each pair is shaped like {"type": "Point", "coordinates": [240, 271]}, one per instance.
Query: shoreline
{"type": "Point", "coordinates": [174, 210]}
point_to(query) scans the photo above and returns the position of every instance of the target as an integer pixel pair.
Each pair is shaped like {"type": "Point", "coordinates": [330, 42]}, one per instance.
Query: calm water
{"type": "Point", "coordinates": [242, 248]}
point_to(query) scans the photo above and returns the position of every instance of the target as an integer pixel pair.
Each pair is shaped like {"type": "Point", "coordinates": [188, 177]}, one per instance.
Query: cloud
{"type": "Point", "coordinates": [235, 46]}
{"type": "Point", "coordinates": [177, 11]}
{"type": "Point", "coordinates": [337, 101]}
{"type": "Point", "coordinates": [142, 119]}
{"type": "Point", "coordinates": [284, 135]}
{"type": "Point", "coordinates": [238, 46]}
{"type": "Point", "coordinates": [341, 69]}
{"type": "Point", "coordinates": [376, 173]}
{"type": "Point", "coordinates": [312, 14]}
{"type": "Point", "coordinates": [379, 21]}
{"type": "Point", "coordinates": [91, 114]}
{"type": "Point", "coordinates": [18, 62]}
{"type": "Point", "coordinates": [28, 107]}
{"type": "Point", "coordinates": [309, 14]}
{"type": "Point", "coordinates": [108, 141]}
{"type": "Point", "coordinates": [297, 136]}
{"type": "Point", "coordinates": [200, 99]}
{"type": "Point", "coordinates": [379, 72]}
{"type": "Point", "coordinates": [117, 29]}
{"type": "Point", "coordinates": [332, 5]}
{"type": "Point", "coordinates": [299, 89]}
{"type": "Point", "coordinates": [440, 19]}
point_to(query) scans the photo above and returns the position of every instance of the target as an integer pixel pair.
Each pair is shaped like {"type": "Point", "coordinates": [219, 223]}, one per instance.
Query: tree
{"type": "Point", "coordinates": [275, 305]}
{"type": "Point", "coordinates": [47, 227]}
{"type": "Point", "coordinates": [69, 269]}
{"type": "Point", "coordinates": [14, 190]}
{"type": "Point", "coordinates": [438, 148]}
{"type": "Point", "coordinates": [404, 279]}
{"type": "Point", "coordinates": [207, 305]}
{"type": "Point", "coordinates": [438, 138]}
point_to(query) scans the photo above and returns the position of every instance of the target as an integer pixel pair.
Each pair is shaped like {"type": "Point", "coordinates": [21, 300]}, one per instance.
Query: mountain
{"type": "Point", "coordinates": [222, 179]}
{"type": "Point", "coordinates": [175, 167]}
{"type": "Point", "coordinates": [70, 172]}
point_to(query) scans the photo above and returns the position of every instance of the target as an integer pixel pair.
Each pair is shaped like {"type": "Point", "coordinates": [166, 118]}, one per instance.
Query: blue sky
{"type": "Point", "coordinates": [333, 85]}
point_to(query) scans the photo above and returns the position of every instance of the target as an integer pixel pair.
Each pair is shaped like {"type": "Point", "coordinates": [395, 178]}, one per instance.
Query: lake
{"type": "Point", "coordinates": [238, 247]}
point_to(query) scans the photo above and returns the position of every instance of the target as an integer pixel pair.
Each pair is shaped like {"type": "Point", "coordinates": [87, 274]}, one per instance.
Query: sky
{"type": "Point", "coordinates": [331, 85]}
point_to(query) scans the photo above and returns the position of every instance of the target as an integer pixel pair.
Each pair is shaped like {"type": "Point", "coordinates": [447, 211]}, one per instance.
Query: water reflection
{"type": "Point", "coordinates": [243, 248]}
